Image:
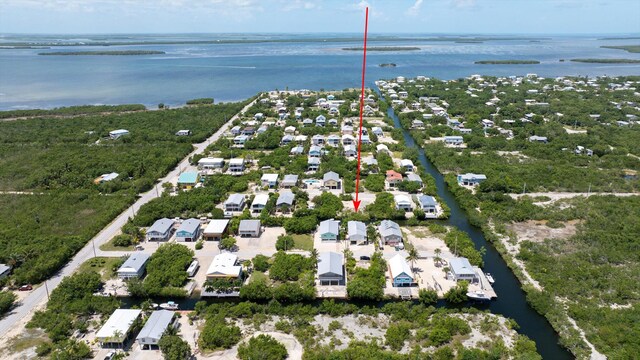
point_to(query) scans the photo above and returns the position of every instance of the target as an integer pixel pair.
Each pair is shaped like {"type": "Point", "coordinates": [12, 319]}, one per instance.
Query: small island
{"type": "Point", "coordinates": [387, 65]}
{"type": "Point", "coordinates": [105, 53]}
{"type": "Point", "coordinates": [628, 48]}
{"type": "Point", "coordinates": [608, 61]}
{"type": "Point", "coordinates": [507, 62]}
{"type": "Point", "coordinates": [384, 48]}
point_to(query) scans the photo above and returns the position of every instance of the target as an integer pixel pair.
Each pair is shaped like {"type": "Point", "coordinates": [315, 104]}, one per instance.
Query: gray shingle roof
{"type": "Point", "coordinates": [331, 176]}
{"type": "Point", "coordinates": [285, 198]}
{"type": "Point", "coordinates": [189, 225]}
{"type": "Point", "coordinates": [136, 261]}
{"type": "Point", "coordinates": [161, 226]}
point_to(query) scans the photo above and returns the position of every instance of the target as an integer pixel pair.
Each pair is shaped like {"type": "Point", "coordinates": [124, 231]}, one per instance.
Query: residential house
{"type": "Point", "coordinates": [189, 230]}
{"type": "Point", "coordinates": [115, 134]}
{"type": "Point", "coordinates": [235, 202]}
{"type": "Point", "coordinates": [270, 180]}
{"type": "Point", "coordinates": [290, 130]}
{"type": "Point", "coordinates": [297, 150]}
{"type": "Point", "coordinates": [453, 140]}
{"type": "Point", "coordinates": [4, 270]}
{"type": "Point", "coordinates": [331, 268]}
{"type": "Point", "coordinates": [329, 230]}
{"type": "Point", "coordinates": [357, 232]}
{"type": "Point", "coordinates": [540, 139]}
{"type": "Point", "coordinates": [259, 202]}
{"type": "Point", "coordinates": [225, 266]}
{"type": "Point", "coordinates": [155, 327]}
{"type": "Point", "coordinates": [350, 151]}
{"type": "Point", "coordinates": [400, 271]}
{"type": "Point", "coordinates": [315, 151]}
{"type": "Point", "coordinates": [134, 266]}
{"type": "Point", "coordinates": [461, 269]}
{"type": "Point", "coordinates": [285, 201]}
{"type": "Point", "coordinates": [307, 122]}
{"type": "Point", "coordinates": [331, 180]}
{"type": "Point", "coordinates": [289, 181]}
{"type": "Point", "coordinates": [210, 163]}
{"type": "Point", "coordinates": [161, 230]}
{"type": "Point", "coordinates": [317, 139]}
{"type": "Point", "coordinates": [248, 131]}
{"type": "Point", "coordinates": [333, 122]}
{"type": "Point", "coordinates": [382, 148]}
{"type": "Point", "coordinates": [346, 130]}
{"type": "Point", "coordinates": [333, 140]}
{"type": "Point", "coordinates": [393, 178]}
{"type": "Point", "coordinates": [236, 130]}
{"type": "Point", "coordinates": [377, 131]}
{"type": "Point", "coordinates": [428, 204]}
{"type": "Point", "coordinates": [417, 124]}
{"type": "Point", "coordinates": [188, 180]}
{"type": "Point", "coordinates": [117, 331]}
{"type": "Point", "coordinates": [313, 164]}
{"type": "Point", "coordinates": [403, 202]}
{"type": "Point", "coordinates": [240, 139]}
{"type": "Point", "coordinates": [390, 232]}
{"type": "Point", "coordinates": [286, 139]}
{"type": "Point", "coordinates": [486, 123]}
{"type": "Point", "coordinates": [413, 177]}
{"type": "Point", "coordinates": [249, 228]}
{"type": "Point", "coordinates": [236, 165]}
{"type": "Point", "coordinates": [470, 179]}
{"type": "Point", "coordinates": [215, 230]}
{"type": "Point", "coordinates": [321, 120]}
{"type": "Point", "coordinates": [407, 164]}
{"type": "Point", "coordinates": [348, 140]}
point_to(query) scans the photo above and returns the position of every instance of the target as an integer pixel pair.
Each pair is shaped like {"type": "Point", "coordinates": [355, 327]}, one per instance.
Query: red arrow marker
{"type": "Point", "coordinates": [356, 202]}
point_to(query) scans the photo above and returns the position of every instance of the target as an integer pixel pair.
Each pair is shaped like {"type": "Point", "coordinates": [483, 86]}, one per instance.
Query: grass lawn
{"type": "Point", "coordinates": [303, 242]}
{"type": "Point", "coordinates": [108, 246]}
{"type": "Point", "coordinates": [101, 265]}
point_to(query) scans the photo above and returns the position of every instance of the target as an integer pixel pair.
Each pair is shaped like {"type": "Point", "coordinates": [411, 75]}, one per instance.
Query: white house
{"type": "Point", "coordinates": [134, 266]}
{"type": "Point", "coordinates": [270, 180]}
{"type": "Point", "coordinates": [390, 232]}
{"type": "Point", "coordinates": [259, 203]}
{"type": "Point", "coordinates": [357, 232]}
{"type": "Point", "coordinates": [407, 164]}
{"type": "Point", "coordinates": [289, 181]}
{"type": "Point", "coordinates": [210, 163]}
{"type": "Point", "coordinates": [118, 133]}
{"type": "Point", "coordinates": [235, 202]}
{"type": "Point", "coordinates": [455, 140]}
{"type": "Point", "coordinates": [236, 165]}
{"type": "Point", "coordinates": [116, 332]}
{"type": "Point", "coordinates": [224, 265]}
{"type": "Point", "coordinates": [249, 228]}
{"type": "Point", "coordinates": [428, 204]}
{"type": "Point", "coordinates": [216, 229]}
{"type": "Point", "coordinates": [461, 269]}
{"type": "Point", "coordinates": [155, 326]}
{"type": "Point", "coordinates": [403, 202]}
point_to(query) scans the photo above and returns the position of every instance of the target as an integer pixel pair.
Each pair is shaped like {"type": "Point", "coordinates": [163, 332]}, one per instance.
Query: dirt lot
{"type": "Point", "coordinates": [538, 231]}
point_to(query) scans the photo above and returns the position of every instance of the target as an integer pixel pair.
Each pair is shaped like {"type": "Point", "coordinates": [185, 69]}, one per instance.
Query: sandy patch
{"type": "Point", "coordinates": [538, 231]}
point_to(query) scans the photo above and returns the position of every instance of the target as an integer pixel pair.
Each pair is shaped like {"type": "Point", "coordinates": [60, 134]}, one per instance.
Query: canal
{"type": "Point", "coordinates": [511, 300]}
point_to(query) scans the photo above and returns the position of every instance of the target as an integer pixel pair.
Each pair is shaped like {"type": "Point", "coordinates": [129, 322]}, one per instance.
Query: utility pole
{"type": "Point", "coordinates": [93, 243]}
{"type": "Point", "coordinates": [47, 289]}
{"type": "Point", "coordinates": [589, 191]}
{"type": "Point", "coordinates": [524, 189]}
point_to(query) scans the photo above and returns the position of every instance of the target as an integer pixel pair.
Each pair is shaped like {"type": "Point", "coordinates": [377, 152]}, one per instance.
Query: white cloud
{"type": "Point", "coordinates": [463, 3]}
{"type": "Point", "coordinates": [299, 5]}
{"type": "Point", "coordinates": [414, 9]}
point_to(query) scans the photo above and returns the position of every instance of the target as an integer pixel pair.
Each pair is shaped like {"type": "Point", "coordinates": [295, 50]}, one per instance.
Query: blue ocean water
{"type": "Point", "coordinates": [233, 71]}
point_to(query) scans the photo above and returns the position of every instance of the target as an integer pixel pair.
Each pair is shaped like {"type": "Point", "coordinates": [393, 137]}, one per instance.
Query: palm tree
{"type": "Point", "coordinates": [314, 255]}
{"type": "Point", "coordinates": [412, 256]}
{"type": "Point", "coordinates": [437, 258]}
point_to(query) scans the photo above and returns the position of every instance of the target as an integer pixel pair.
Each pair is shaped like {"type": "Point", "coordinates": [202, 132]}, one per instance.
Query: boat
{"type": "Point", "coordinates": [170, 305]}
{"type": "Point", "coordinates": [490, 278]}
{"type": "Point", "coordinates": [478, 296]}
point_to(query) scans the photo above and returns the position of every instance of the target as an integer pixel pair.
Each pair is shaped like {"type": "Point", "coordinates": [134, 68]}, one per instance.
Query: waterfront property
{"type": "Point", "coordinates": [403, 202]}
{"type": "Point", "coordinates": [390, 232]}
{"type": "Point", "coordinates": [117, 331]}
{"type": "Point", "coordinates": [155, 326]}
{"type": "Point", "coordinates": [249, 228]}
{"type": "Point", "coordinates": [428, 204]}
{"type": "Point", "coordinates": [400, 271]}
{"type": "Point", "coordinates": [331, 268]}
{"type": "Point", "coordinates": [161, 230]}
{"type": "Point", "coordinates": [470, 179]}
{"type": "Point", "coordinates": [226, 266]}
{"type": "Point", "coordinates": [407, 164]}
{"type": "Point", "coordinates": [216, 229]}
{"type": "Point", "coordinates": [329, 230]}
{"type": "Point", "coordinates": [454, 140]}
{"type": "Point", "coordinates": [134, 266]}
{"type": "Point", "coordinates": [189, 230]}
{"type": "Point", "coordinates": [461, 269]}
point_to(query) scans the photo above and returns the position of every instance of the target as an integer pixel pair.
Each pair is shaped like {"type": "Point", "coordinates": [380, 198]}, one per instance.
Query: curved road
{"type": "Point", "coordinates": [39, 295]}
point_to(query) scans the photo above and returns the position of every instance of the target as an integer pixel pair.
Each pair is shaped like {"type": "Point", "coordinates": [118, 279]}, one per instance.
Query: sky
{"type": "Point", "coordinates": [318, 16]}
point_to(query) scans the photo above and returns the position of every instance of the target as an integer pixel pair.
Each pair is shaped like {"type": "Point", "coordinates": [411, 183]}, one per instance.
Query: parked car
{"type": "Point", "coordinates": [139, 248]}
{"type": "Point", "coordinates": [365, 258]}
{"type": "Point", "coordinates": [110, 355]}
{"type": "Point", "coordinates": [25, 288]}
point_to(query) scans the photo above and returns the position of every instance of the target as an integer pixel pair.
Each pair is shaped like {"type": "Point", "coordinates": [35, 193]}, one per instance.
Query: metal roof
{"type": "Point", "coordinates": [188, 178]}
{"type": "Point", "coordinates": [398, 265]}
{"type": "Point", "coordinates": [461, 266]}
{"type": "Point", "coordinates": [357, 228]}
{"type": "Point", "coordinates": [329, 226]}
{"type": "Point", "coordinates": [331, 176]}
{"type": "Point", "coordinates": [156, 324]}
{"type": "Point", "coordinates": [285, 198]}
{"type": "Point", "coordinates": [330, 263]}
{"type": "Point", "coordinates": [290, 179]}
{"type": "Point", "coordinates": [426, 200]}
{"type": "Point", "coordinates": [249, 225]}
{"type": "Point", "coordinates": [190, 226]}
{"type": "Point", "coordinates": [389, 228]}
{"type": "Point", "coordinates": [235, 199]}
{"type": "Point", "coordinates": [216, 226]}
{"type": "Point", "coordinates": [118, 325]}
{"type": "Point", "coordinates": [161, 226]}
{"type": "Point", "coordinates": [136, 261]}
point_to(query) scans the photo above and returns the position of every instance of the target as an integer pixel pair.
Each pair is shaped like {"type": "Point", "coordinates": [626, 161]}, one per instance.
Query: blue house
{"type": "Point", "coordinates": [189, 230]}
{"type": "Point", "coordinates": [188, 179]}
{"type": "Point", "coordinates": [400, 271]}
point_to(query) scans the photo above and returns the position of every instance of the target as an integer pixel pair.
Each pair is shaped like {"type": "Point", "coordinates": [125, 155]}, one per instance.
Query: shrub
{"type": "Point", "coordinates": [262, 347]}
{"type": "Point", "coordinates": [199, 245]}
{"type": "Point", "coordinates": [396, 335]}
{"type": "Point", "coordinates": [428, 297]}
{"type": "Point", "coordinates": [284, 242]}
{"type": "Point", "coordinates": [261, 263]}
{"type": "Point", "coordinates": [123, 240]}
{"type": "Point", "coordinates": [217, 334]}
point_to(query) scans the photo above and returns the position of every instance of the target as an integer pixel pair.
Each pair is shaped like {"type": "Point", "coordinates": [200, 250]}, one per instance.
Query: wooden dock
{"type": "Point", "coordinates": [484, 284]}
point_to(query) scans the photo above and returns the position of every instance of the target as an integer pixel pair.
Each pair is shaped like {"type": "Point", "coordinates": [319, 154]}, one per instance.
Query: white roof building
{"type": "Point", "coordinates": [116, 329]}
{"type": "Point", "coordinates": [224, 266]}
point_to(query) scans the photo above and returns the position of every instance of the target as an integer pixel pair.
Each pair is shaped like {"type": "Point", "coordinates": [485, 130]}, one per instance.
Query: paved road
{"type": "Point", "coordinates": [39, 295]}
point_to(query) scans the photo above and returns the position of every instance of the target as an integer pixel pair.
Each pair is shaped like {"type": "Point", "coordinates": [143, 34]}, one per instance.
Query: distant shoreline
{"type": "Point", "coordinates": [607, 61]}
{"type": "Point", "coordinates": [628, 48]}
{"type": "Point", "coordinates": [104, 53]}
{"type": "Point", "coordinates": [507, 62]}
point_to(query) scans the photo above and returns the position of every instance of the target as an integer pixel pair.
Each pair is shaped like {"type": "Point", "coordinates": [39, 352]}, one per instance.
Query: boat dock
{"type": "Point", "coordinates": [483, 284]}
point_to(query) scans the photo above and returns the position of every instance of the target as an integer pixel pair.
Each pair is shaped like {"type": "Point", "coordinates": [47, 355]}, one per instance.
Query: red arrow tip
{"type": "Point", "coordinates": [356, 204]}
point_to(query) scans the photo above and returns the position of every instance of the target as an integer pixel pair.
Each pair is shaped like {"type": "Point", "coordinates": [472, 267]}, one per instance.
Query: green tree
{"type": "Point", "coordinates": [284, 243]}
{"type": "Point", "coordinates": [217, 334]}
{"type": "Point", "coordinates": [227, 243]}
{"type": "Point", "coordinates": [458, 293]}
{"type": "Point", "coordinates": [262, 347]}
{"type": "Point", "coordinates": [428, 296]}
{"type": "Point", "coordinates": [396, 335]}
{"type": "Point", "coordinates": [174, 348]}
{"type": "Point", "coordinates": [261, 263]}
